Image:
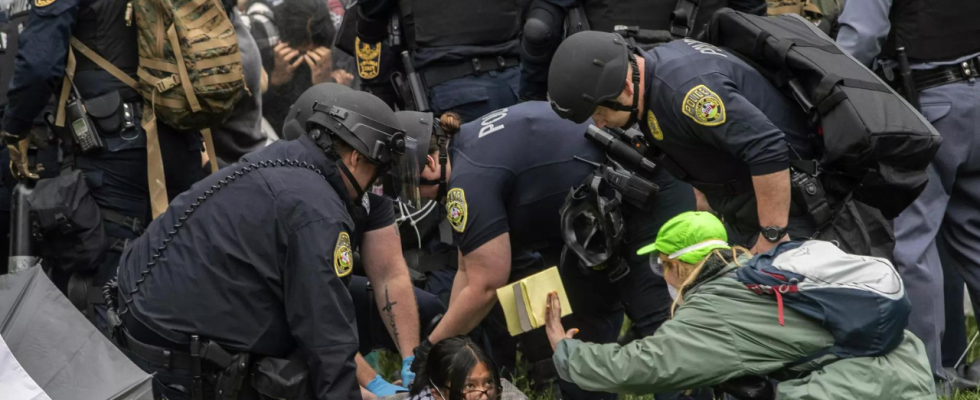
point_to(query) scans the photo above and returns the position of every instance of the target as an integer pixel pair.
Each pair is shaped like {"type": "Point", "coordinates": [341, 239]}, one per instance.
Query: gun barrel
{"type": "Point", "coordinates": [619, 151]}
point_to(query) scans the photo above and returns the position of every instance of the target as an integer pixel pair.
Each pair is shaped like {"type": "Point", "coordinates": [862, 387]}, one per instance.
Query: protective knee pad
{"type": "Point", "coordinates": [542, 31]}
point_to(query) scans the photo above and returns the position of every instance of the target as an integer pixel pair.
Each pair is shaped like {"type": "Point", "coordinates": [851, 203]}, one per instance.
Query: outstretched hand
{"type": "Point", "coordinates": [553, 327]}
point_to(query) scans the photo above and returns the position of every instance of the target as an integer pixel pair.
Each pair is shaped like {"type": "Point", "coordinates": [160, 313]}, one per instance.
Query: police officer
{"type": "Point", "coordinates": [942, 44]}
{"type": "Point", "coordinates": [253, 260]}
{"type": "Point", "coordinates": [508, 176]}
{"type": "Point", "coordinates": [466, 51]}
{"type": "Point", "coordinates": [382, 300]}
{"type": "Point", "coordinates": [720, 125]}
{"type": "Point", "coordinates": [117, 175]}
{"type": "Point", "coordinates": [646, 20]}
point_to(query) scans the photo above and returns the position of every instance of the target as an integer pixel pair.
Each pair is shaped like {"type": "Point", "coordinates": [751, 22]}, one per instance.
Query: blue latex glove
{"type": "Point", "coordinates": [381, 388]}
{"type": "Point", "coordinates": [407, 375]}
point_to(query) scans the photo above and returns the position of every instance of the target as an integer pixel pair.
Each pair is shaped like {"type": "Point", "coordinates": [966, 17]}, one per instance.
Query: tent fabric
{"type": "Point", "coordinates": [64, 353]}
{"type": "Point", "coordinates": [15, 383]}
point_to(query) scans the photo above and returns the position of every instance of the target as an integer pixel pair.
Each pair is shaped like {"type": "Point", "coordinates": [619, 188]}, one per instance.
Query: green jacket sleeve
{"type": "Point", "coordinates": [694, 349]}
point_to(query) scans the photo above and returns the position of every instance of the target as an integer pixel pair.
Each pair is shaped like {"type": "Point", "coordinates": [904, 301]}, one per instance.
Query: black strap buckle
{"type": "Point", "coordinates": [969, 69]}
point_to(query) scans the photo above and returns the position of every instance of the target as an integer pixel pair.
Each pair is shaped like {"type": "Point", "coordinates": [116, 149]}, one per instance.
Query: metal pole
{"type": "Point", "coordinates": [22, 252]}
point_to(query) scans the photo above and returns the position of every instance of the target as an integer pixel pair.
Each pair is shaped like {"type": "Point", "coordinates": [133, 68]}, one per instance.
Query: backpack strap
{"type": "Point", "coordinates": [59, 120]}
{"type": "Point", "coordinates": [185, 80]}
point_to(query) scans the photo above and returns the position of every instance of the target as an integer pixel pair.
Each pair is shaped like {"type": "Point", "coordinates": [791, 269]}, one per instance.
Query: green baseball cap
{"type": "Point", "coordinates": [689, 237]}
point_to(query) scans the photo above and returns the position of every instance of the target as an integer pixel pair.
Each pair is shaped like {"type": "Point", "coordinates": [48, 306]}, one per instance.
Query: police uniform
{"type": "Point", "coordinates": [466, 51]}
{"type": "Point", "coordinates": [942, 40]}
{"type": "Point", "coordinates": [718, 122]}
{"type": "Point", "coordinates": [117, 175]}
{"type": "Point", "coordinates": [511, 172]}
{"type": "Point", "coordinates": [257, 266]}
{"type": "Point", "coordinates": [543, 32]}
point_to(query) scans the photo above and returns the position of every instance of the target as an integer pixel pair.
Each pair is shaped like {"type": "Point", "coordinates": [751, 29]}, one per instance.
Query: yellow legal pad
{"type": "Point", "coordinates": [525, 301]}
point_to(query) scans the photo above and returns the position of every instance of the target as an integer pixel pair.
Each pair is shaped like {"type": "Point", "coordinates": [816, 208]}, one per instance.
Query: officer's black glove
{"type": "Point", "coordinates": [421, 355]}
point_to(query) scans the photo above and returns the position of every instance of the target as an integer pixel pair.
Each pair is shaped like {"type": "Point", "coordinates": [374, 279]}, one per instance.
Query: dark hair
{"type": "Point", "coordinates": [452, 360]}
{"type": "Point", "coordinates": [448, 125]}
{"type": "Point", "coordinates": [303, 22]}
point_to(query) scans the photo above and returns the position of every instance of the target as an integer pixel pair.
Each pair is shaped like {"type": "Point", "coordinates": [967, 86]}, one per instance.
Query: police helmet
{"type": "Point", "coordinates": [593, 228]}
{"type": "Point", "coordinates": [295, 124]}
{"type": "Point", "coordinates": [367, 124]}
{"type": "Point", "coordinates": [588, 70]}
{"type": "Point", "coordinates": [419, 126]}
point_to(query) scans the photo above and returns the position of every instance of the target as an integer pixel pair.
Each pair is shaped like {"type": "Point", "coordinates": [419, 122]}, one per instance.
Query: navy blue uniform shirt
{"type": "Point", "coordinates": [511, 172]}
{"type": "Point", "coordinates": [257, 267]}
{"type": "Point", "coordinates": [718, 119]}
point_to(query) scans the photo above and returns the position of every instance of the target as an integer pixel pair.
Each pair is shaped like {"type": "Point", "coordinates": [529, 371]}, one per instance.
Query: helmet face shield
{"type": "Point", "coordinates": [405, 174]}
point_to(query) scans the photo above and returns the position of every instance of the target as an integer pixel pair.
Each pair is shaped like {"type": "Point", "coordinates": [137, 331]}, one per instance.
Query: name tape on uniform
{"type": "Point", "coordinates": [704, 48]}
{"type": "Point", "coordinates": [487, 124]}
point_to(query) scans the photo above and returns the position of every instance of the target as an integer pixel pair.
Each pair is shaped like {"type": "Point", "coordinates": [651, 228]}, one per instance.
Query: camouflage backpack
{"type": "Point", "coordinates": [190, 74]}
{"type": "Point", "coordinates": [190, 68]}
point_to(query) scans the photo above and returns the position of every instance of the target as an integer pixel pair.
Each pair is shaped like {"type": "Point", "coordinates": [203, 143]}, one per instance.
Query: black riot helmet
{"type": "Point", "coordinates": [325, 93]}
{"type": "Point", "coordinates": [593, 229]}
{"type": "Point", "coordinates": [588, 71]}
{"type": "Point", "coordinates": [423, 127]}
{"type": "Point", "coordinates": [365, 123]}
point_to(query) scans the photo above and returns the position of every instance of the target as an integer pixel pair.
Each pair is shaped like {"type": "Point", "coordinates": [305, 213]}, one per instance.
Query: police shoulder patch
{"type": "Point", "coordinates": [704, 106]}
{"type": "Point", "coordinates": [456, 208]}
{"type": "Point", "coordinates": [654, 126]}
{"type": "Point", "coordinates": [368, 58]}
{"type": "Point", "coordinates": [343, 257]}
{"type": "Point", "coordinates": [43, 3]}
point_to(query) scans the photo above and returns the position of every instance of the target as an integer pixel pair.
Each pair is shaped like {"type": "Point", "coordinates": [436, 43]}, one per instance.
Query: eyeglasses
{"type": "Point", "coordinates": [478, 394]}
{"type": "Point", "coordinates": [656, 265]}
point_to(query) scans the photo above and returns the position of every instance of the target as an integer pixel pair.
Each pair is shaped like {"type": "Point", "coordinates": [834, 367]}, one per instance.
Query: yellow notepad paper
{"type": "Point", "coordinates": [525, 301]}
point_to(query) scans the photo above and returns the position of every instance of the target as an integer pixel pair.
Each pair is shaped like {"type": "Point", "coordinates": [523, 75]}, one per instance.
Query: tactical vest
{"type": "Point", "coordinates": [102, 26]}
{"type": "Point", "coordinates": [934, 30]}
{"type": "Point", "coordinates": [459, 22]}
{"type": "Point", "coordinates": [604, 15]}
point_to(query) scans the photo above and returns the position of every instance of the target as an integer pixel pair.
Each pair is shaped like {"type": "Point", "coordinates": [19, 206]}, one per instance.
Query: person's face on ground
{"type": "Point", "coordinates": [480, 384]}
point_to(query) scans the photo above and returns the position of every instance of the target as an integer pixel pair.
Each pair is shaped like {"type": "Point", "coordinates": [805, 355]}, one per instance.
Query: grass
{"type": "Point", "coordinates": [390, 364]}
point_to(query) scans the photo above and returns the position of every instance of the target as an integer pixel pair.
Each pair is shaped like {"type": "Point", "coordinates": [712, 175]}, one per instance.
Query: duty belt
{"type": "Point", "coordinates": [925, 79]}
{"type": "Point", "coordinates": [176, 359]}
{"type": "Point", "coordinates": [437, 74]}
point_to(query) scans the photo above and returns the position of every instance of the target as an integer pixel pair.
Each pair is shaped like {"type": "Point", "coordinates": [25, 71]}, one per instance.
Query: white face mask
{"type": "Point", "coordinates": [672, 291]}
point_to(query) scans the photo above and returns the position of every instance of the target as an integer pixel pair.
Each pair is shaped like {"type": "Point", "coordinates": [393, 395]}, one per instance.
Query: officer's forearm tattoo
{"type": "Point", "coordinates": [389, 308]}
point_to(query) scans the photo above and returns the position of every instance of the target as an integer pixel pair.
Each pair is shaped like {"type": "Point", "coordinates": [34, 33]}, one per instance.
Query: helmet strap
{"type": "Point", "coordinates": [633, 109]}
{"type": "Point", "coordinates": [442, 142]}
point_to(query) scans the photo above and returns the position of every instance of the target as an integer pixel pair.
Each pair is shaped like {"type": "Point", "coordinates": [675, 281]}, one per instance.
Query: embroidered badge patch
{"type": "Point", "coordinates": [43, 3]}
{"type": "Point", "coordinates": [456, 207]}
{"type": "Point", "coordinates": [704, 106]}
{"type": "Point", "coordinates": [343, 259]}
{"type": "Point", "coordinates": [654, 126]}
{"type": "Point", "coordinates": [368, 58]}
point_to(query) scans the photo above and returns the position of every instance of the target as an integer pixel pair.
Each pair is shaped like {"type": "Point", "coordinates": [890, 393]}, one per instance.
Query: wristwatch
{"type": "Point", "coordinates": [773, 233]}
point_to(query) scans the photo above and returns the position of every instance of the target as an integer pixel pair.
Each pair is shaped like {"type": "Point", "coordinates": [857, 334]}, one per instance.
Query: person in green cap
{"type": "Point", "coordinates": [720, 332]}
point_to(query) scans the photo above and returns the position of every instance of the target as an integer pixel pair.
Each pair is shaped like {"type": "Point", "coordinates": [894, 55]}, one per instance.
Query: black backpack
{"type": "Point", "coordinates": [874, 144]}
